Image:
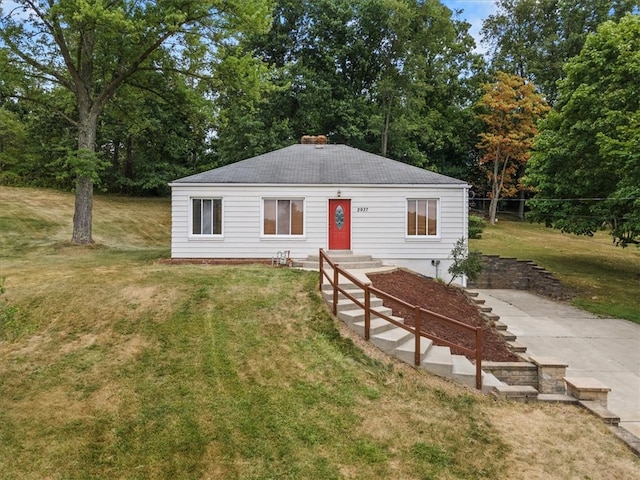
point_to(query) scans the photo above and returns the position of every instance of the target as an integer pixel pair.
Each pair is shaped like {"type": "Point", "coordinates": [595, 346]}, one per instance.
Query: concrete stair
{"type": "Point", "coordinates": [400, 343]}
{"type": "Point", "coordinates": [350, 317]}
{"type": "Point", "coordinates": [377, 326]}
{"type": "Point", "coordinates": [345, 258]}
{"type": "Point", "coordinates": [391, 339]}
{"type": "Point", "coordinates": [438, 360]}
{"type": "Point", "coordinates": [406, 351]}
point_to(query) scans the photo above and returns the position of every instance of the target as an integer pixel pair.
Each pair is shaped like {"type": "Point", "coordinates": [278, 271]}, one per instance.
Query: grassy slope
{"type": "Point", "coordinates": [605, 277]}
{"type": "Point", "coordinates": [117, 366]}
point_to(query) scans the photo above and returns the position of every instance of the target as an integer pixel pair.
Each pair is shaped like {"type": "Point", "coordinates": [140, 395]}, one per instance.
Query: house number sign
{"type": "Point", "coordinates": [339, 217]}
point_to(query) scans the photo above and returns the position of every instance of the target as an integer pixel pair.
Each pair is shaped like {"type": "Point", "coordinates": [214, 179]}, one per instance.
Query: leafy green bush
{"type": "Point", "coordinates": [476, 225]}
{"type": "Point", "coordinates": [465, 262]}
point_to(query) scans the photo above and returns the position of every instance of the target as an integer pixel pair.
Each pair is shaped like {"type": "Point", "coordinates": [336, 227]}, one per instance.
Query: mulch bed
{"type": "Point", "coordinates": [447, 301]}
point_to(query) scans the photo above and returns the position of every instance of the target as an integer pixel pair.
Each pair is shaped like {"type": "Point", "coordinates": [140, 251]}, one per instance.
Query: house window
{"type": "Point", "coordinates": [206, 216]}
{"type": "Point", "coordinates": [422, 217]}
{"type": "Point", "coordinates": [283, 216]}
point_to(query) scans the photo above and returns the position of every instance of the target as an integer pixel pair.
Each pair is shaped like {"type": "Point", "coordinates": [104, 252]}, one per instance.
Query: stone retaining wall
{"type": "Point", "coordinates": [511, 273]}
{"type": "Point", "coordinates": [546, 375]}
{"type": "Point", "coordinates": [513, 373]}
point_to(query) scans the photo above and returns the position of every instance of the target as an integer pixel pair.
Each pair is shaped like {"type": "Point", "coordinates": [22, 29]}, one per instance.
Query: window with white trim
{"type": "Point", "coordinates": [282, 216]}
{"type": "Point", "coordinates": [206, 216]}
{"type": "Point", "coordinates": [422, 217]}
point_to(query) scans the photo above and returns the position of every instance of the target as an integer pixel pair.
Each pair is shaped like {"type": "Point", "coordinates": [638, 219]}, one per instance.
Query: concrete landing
{"type": "Point", "coordinates": [606, 349]}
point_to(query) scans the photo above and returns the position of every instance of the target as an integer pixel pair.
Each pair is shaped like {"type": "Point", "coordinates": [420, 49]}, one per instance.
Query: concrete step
{"type": "Point", "coordinates": [345, 259]}
{"type": "Point", "coordinates": [327, 288]}
{"type": "Point", "coordinates": [490, 317]}
{"type": "Point", "coordinates": [346, 304]}
{"type": "Point", "coordinates": [516, 346]}
{"type": "Point", "coordinates": [507, 335]}
{"type": "Point", "coordinates": [347, 265]}
{"type": "Point", "coordinates": [391, 339]}
{"type": "Point", "coordinates": [557, 398]}
{"type": "Point", "coordinates": [499, 325]}
{"type": "Point", "coordinates": [376, 326]}
{"type": "Point", "coordinates": [490, 381]}
{"type": "Point", "coordinates": [355, 292]}
{"type": "Point", "coordinates": [357, 315]}
{"type": "Point", "coordinates": [599, 410]}
{"type": "Point", "coordinates": [341, 257]}
{"type": "Point", "coordinates": [517, 393]}
{"type": "Point", "coordinates": [438, 361]}
{"type": "Point", "coordinates": [406, 351]}
{"type": "Point", "coordinates": [463, 371]}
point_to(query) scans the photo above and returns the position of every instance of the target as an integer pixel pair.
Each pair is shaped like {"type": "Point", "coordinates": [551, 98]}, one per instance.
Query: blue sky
{"type": "Point", "coordinates": [474, 12]}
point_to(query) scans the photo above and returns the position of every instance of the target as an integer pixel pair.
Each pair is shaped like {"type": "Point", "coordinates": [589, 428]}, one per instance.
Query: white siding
{"type": "Point", "coordinates": [377, 229]}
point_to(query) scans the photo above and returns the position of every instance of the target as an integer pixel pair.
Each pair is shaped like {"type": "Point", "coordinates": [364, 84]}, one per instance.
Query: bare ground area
{"type": "Point", "coordinates": [447, 301]}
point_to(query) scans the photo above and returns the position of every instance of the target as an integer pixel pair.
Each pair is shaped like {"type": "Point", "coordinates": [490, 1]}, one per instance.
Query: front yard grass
{"type": "Point", "coordinates": [605, 278]}
{"type": "Point", "coordinates": [118, 366]}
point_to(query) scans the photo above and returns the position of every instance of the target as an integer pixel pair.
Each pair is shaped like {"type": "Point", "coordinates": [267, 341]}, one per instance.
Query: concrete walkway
{"type": "Point", "coordinates": [606, 349]}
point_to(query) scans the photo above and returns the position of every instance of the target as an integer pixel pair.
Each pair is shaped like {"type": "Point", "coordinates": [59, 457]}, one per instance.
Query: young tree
{"type": "Point", "coordinates": [92, 48]}
{"type": "Point", "coordinates": [510, 109]}
{"type": "Point", "coordinates": [586, 167]}
{"type": "Point", "coordinates": [465, 262]}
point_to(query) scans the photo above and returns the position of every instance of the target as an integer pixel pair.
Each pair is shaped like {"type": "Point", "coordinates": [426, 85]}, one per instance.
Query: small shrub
{"type": "Point", "coordinates": [476, 226]}
{"type": "Point", "coordinates": [465, 262]}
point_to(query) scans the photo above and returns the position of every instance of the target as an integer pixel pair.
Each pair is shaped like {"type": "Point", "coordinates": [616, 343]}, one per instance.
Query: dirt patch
{"type": "Point", "coordinates": [447, 301]}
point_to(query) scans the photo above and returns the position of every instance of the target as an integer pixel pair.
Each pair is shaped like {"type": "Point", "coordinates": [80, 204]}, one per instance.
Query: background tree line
{"type": "Point", "coordinates": [179, 87]}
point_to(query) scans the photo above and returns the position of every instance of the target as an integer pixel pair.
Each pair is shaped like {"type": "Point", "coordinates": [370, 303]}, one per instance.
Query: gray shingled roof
{"type": "Point", "coordinates": [317, 165]}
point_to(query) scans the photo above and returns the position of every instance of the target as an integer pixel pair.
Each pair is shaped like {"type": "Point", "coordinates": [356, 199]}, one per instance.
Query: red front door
{"type": "Point", "coordinates": [339, 224]}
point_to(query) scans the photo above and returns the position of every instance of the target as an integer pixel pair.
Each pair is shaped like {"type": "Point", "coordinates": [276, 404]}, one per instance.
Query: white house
{"type": "Point", "coordinates": [309, 196]}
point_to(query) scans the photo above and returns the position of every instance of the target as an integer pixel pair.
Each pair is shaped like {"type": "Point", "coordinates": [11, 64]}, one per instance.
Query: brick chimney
{"type": "Point", "coordinates": [313, 140]}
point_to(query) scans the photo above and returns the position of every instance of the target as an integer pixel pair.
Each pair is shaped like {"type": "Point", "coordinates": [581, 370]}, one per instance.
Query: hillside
{"type": "Point", "coordinates": [114, 365]}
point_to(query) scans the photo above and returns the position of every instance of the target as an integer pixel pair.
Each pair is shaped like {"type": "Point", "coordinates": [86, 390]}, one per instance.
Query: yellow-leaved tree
{"type": "Point", "coordinates": [510, 109]}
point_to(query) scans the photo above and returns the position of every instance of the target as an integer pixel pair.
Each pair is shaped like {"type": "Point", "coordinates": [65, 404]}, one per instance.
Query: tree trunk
{"type": "Point", "coordinates": [83, 210]}
{"type": "Point", "coordinates": [493, 210]}
{"type": "Point", "coordinates": [496, 185]}
{"type": "Point", "coordinates": [83, 216]}
{"type": "Point", "coordinates": [385, 129]}
{"type": "Point", "coordinates": [521, 205]}
{"type": "Point", "coordinates": [495, 190]}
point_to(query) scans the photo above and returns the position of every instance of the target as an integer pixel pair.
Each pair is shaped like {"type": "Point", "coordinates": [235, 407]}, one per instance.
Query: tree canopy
{"type": "Point", "coordinates": [394, 77]}
{"type": "Point", "coordinates": [127, 95]}
{"type": "Point", "coordinates": [535, 38]}
{"type": "Point", "coordinates": [90, 49]}
{"type": "Point", "coordinates": [586, 167]}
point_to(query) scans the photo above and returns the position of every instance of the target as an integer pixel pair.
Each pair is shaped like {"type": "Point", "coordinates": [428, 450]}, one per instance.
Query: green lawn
{"type": "Point", "coordinates": [115, 365]}
{"type": "Point", "coordinates": [606, 278]}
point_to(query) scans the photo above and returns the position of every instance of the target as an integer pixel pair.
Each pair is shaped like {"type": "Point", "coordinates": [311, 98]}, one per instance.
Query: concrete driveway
{"type": "Point", "coordinates": [606, 349]}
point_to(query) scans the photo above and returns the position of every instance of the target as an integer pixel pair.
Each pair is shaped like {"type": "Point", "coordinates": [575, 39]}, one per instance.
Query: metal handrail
{"type": "Point", "coordinates": [419, 313]}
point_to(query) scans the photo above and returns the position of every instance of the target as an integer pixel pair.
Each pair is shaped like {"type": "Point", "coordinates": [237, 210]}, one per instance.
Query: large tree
{"type": "Point", "coordinates": [534, 38]}
{"type": "Point", "coordinates": [91, 48]}
{"type": "Point", "coordinates": [387, 76]}
{"type": "Point", "coordinates": [153, 131]}
{"type": "Point", "coordinates": [510, 109]}
{"type": "Point", "coordinates": [586, 168]}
